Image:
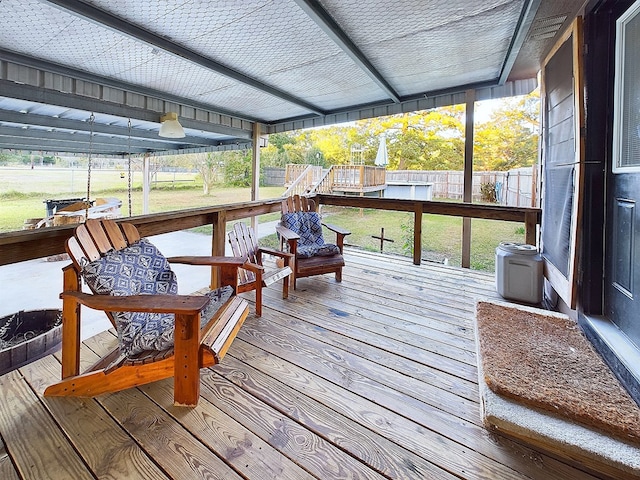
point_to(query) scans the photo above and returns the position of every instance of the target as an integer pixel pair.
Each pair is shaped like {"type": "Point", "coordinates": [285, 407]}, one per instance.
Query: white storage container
{"type": "Point", "coordinates": [519, 272]}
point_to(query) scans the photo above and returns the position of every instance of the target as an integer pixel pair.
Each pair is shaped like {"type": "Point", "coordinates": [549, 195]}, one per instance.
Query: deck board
{"type": "Point", "coordinates": [104, 446]}
{"type": "Point", "coordinates": [371, 378]}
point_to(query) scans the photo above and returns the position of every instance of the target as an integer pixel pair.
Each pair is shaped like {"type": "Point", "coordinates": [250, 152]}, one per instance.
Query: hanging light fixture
{"type": "Point", "coordinates": [170, 127]}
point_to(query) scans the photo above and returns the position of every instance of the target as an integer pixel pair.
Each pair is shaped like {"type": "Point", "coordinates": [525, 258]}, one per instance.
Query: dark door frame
{"type": "Point", "coordinates": [599, 37]}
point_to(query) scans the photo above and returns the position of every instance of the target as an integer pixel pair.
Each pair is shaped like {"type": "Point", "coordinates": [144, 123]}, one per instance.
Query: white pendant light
{"type": "Point", "coordinates": [170, 127]}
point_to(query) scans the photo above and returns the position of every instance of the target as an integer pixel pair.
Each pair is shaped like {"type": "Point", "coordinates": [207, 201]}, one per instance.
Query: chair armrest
{"type": "Point", "coordinates": [252, 267]}
{"type": "Point", "coordinates": [336, 229]}
{"type": "Point", "coordinates": [178, 304]}
{"type": "Point", "coordinates": [217, 261]}
{"type": "Point", "coordinates": [275, 253]}
{"type": "Point", "coordinates": [286, 233]}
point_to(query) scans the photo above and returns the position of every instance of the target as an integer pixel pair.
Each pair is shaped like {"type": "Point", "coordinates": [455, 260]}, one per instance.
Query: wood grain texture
{"type": "Point", "coordinates": [240, 447]}
{"type": "Point", "coordinates": [104, 445]}
{"type": "Point", "coordinates": [7, 470]}
{"type": "Point", "coordinates": [36, 456]}
{"type": "Point", "coordinates": [373, 377]}
{"type": "Point", "coordinates": [382, 454]}
{"type": "Point", "coordinates": [175, 450]}
{"type": "Point", "coordinates": [313, 453]}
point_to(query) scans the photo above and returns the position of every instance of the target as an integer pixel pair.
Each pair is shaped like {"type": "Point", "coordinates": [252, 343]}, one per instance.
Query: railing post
{"type": "Point", "coordinates": [417, 233]}
{"type": "Point", "coordinates": [217, 244]}
{"type": "Point", "coordinates": [332, 182]}
{"type": "Point", "coordinates": [530, 223]}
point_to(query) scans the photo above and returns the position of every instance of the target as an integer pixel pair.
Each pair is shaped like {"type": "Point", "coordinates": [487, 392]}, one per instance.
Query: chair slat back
{"type": "Point", "coordinates": [76, 253]}
{"type": "Point", "coordinates": [99, 236]}
{"type": "Point", "coordinates": [130, 232]}
{"type": "Point", "coordinates": [118, 241]}
{"type": "Point", "coordinates": [243, 244]}
{"type": "Point", "coordinates": [85, 241]}
{"type": "Point", "coordinates": [296, 203]}
{"type": "Point", "coordinates": [96, 237]}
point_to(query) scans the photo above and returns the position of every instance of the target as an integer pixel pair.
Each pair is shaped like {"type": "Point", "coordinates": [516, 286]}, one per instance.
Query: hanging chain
{"type": "Point", "coordinates": [88, 202]}
{"type": "Point", "coordinates": [129, 185]}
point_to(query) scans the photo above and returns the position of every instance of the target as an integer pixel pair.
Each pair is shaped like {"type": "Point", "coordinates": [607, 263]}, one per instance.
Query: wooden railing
{"type": "Point", "coordinates": [339, 178]}
{"type": "Point", "coordinates": [325, 183]}
{"type": "Point", "coordinates": [304, 179]}
{"type": "Point", "coordinates": [293, 171]}
{"type": "Point", "coordinates": [529, 216]}
{"type": "Point", "coordinates": [32, 244]}
{"type": "Point", "coordinates": [356, 177]}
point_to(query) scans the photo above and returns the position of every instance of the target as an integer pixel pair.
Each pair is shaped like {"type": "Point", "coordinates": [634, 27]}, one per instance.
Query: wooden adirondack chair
{"type": "Point", "coordinates": [96, 250]}
{"type": "Point", "coordinates": [300, 228]}
{"type": "Point", "coordinates": [252, 275]}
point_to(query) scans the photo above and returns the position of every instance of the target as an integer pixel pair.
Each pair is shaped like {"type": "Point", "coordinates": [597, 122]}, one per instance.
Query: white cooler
{"type": "Point", "coordinates": [519, 272]}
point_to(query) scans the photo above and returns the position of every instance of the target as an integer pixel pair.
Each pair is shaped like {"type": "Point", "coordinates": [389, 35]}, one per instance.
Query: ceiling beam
{"type": "Point", "coordinates": [55, 68]}
{"type": "Point", "coordinates": [329, 26]}
{"type": "Point", "coordinates": [45, 96]}
{"type": "Point", "coordinates": [67, 146]}
{"type": "Point", "coordinates": [70, 125]}
{"type": "Point", "coordinates": [35, 135]}
{"type": "Point", "coordinates": [432, 99]}
{"type": "Point", "coordinates": [527, 15]}
{"type": "Point", "coordinates": [105, 19]}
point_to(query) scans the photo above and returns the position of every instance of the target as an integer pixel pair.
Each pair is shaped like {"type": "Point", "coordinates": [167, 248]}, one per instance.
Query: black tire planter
{"type": "Point", "coordinates": [28, 335]}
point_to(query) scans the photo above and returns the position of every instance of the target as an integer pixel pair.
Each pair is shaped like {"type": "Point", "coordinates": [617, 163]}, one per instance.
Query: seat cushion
{"type": "Point", "coordinates": [309, 226]}
{"type": "Point", "coordinates": [140, 269]}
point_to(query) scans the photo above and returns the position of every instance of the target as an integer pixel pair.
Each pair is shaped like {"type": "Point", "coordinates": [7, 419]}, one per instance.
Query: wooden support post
{"type": "Point", "coordinates": [255, 171]}
{"type": "Point", "coordinates": [218, 244]}
{"type": "Point", "coordinates": [467, 196]}
{"type": "Point", "coordinates": [146, 184]}
{"type": "Point", "coordinates": [417, 234]}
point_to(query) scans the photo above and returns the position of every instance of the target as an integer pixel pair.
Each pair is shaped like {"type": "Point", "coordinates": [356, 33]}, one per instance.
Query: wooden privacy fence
{"type": "Point", "coordinates": [513, 188]}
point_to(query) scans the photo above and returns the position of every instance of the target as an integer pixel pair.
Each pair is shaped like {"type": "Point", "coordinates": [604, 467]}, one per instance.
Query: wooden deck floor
{"type": "Point", "coordinates": [368, 379]}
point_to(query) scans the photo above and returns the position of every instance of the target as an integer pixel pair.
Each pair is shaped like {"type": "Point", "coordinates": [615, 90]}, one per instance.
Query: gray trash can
{"type": "Point", "coordinates": [519, 272]}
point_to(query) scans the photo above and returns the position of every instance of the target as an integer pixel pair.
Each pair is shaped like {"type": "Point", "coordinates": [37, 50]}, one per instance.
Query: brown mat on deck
{"type": "Point", "coordinates": [545, 361]}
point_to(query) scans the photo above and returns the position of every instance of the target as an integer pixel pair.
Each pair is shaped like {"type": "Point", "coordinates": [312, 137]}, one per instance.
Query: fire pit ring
{"type": "Point", "coordinates": [28, 335]}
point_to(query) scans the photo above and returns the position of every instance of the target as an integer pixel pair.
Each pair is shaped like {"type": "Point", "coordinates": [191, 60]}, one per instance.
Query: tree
{"type": "Point", "coordinates": [237, 168]}
{"type": "Point", "coordinates": [208, 166]}
{"type": "Point", "coordinates": [509, 139]}
{"type": "Point", "coordinates": [425, 140]}
{"type": "Point", "coordinates": [333, 143]}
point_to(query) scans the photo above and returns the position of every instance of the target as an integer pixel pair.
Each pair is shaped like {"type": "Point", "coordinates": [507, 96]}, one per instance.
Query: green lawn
{"type": "Point", "coordinates": [441, 235]}
{"type": "Point", "coordinates": [22, 192]}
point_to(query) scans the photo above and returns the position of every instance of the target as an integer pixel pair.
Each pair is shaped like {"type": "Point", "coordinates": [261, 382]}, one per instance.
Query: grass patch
{"type": "Point", "coordinates": [441, 235]}
{"type": "Point", "coordinates": [23, 190]}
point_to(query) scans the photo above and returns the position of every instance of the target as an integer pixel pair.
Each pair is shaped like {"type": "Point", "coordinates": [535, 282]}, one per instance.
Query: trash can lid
{"type": "Point", "coordinates": [519, 248]}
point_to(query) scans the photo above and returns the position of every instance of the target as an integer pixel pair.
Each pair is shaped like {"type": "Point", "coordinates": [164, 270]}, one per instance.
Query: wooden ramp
{"type": "Point", "coordinates": [371, 378]}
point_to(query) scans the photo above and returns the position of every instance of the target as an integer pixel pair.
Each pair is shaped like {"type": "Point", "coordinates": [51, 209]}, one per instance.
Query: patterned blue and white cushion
{"type": "Point", "coordinates": [140, 269]}
{"type": "Point", "coordinates": [309, 226]}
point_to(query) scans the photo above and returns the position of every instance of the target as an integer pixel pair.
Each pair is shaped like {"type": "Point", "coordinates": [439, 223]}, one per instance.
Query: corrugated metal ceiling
{"type": "Point", "coordinates": [223, 65]}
